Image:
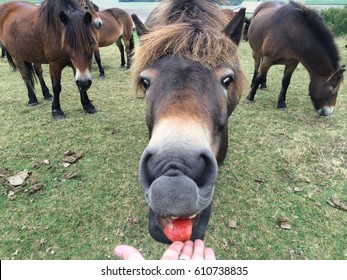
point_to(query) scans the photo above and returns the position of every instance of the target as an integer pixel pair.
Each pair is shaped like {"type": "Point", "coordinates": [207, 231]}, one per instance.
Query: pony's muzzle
{"type": "Point", "coordinates": [326, 111]}
{"type": "Point", "coordinates": [84, 84]}
{"type": "Point", "coordinates": [97, 23]}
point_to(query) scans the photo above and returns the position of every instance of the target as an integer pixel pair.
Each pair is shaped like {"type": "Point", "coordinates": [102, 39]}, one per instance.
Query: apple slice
{"type": "Point", "coordinates": [179, 230]}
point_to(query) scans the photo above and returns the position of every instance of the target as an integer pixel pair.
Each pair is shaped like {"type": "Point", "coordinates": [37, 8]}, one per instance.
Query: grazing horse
{"type": "Point", "coordinates": [292, 33]}
{"type": "Point", "coordinates": [117, 27]}
{"type": "Point", "coordinates": [24, 29]}
{"type": "Point", "coordinates": [188, 68]}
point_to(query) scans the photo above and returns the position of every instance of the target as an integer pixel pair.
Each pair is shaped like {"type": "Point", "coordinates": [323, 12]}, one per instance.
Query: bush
{"type": "Point", "coordinates": [336, 20]}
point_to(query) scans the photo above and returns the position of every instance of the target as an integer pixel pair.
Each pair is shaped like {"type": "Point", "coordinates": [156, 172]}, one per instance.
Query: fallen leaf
{"type": "Point", "coordinates": [66, 164]}
{"type": "Point", "coordinates": [11, 195]}
{"type": "Point", "coordinates": [297, 189]}
{"type": "Point", "coordinates": [70, 175]}
{"type": "Point", "coordinates": [337, 203]}
{"type": "Point", "coordinates": [19, 178]}
{"type": "Point", "coordinates": [35, 188]}
{"type": "Point", "coordinates": [232, 224]}
{"type": "Point", "coordinates": [72, 157]}
{"type": "Point", "coordinates": [285, 225]}
{"type": "Point", "coordinates": [46, 161]}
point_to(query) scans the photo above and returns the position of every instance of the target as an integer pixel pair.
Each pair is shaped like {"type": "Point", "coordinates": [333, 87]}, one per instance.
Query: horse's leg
{"type": "Point", "coordinates": [121, 50]}
{"type": "Point", "coordinates": [55, 72]}
{"type": "Point", "coordinates": [86, 103]}
{"type": "Point", "coordinates": [3, 52]}
{"type": "Point", "coordinates": [27, 71]}
{"type": "Point", "coordinates": [257, 60]}
{"type": "Point", "coordinates": [260, 78]}
{"type": "Point", "coordinates": [288, 72]}
{"type": "Point", "coordinates": [98, 61]}
{"type": "Point", "coordinates": [130, 45]}
{"type": "Point", "coordinates": [45, 90]}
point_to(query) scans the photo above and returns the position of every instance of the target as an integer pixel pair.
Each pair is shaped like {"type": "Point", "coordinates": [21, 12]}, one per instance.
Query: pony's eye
{"type": "Point", "coordinates": [226, 81]}
{"type": "Point", "coordinates": [145, 82]}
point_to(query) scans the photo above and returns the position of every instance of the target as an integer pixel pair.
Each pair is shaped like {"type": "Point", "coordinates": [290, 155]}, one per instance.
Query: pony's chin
{"type": "Point", "coordinates": [200, 222]}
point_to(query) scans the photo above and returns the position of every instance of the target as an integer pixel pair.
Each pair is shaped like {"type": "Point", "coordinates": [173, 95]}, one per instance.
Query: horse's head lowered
{"type": "Point", "coordinates": [188, 69]}
{"type": "Point", "coordinates": [323, 92]}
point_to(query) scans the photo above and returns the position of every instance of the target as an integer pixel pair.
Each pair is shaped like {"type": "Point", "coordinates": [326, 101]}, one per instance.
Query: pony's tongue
{"type": "Point", "coordinates": [179, 229]}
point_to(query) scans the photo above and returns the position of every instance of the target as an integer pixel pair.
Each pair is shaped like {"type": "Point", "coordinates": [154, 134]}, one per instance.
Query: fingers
{"type": "Point", "coordinates": [199, 249]}
{"type": "Point", "coordinates": [126, 252]}
{"type": "Point", "coordinates": [187, 251]}
{"type": "Point", "coordinates": [173, 251]}
{"type": "Point", "coordinates": [209, 254]}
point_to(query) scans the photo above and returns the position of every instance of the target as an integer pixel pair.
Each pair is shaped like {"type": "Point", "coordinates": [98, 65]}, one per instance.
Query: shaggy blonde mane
{"type": "Point", "coordinates": [192, 31]}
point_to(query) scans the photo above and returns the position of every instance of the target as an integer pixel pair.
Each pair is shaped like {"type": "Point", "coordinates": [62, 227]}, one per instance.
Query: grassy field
{"type": "Point", "coordinates": [280, 166]}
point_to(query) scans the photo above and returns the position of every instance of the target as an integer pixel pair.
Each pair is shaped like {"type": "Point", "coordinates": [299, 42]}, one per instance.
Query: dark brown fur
{"type": "Point", "coordinates": [292, 33]}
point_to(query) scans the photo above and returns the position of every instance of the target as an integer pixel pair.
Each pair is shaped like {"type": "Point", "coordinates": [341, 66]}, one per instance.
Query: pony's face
{"type": "Point", "coordinates": [187, 112]}
{"type": "Point", "coordinates": [90, 7]}
{"type": "Point", "coordinates": [323, 92]}
{"type": "Point", "coordinates": [79, 41]}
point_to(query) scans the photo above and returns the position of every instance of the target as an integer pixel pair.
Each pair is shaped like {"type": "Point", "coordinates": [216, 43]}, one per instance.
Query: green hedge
{"type": "Point", "coordinates": [336, 20]}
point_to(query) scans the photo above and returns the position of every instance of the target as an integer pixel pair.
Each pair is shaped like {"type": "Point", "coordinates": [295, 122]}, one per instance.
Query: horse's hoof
{"type": "Point", "coordinates": [283, 109]}
{"type": "Point", "coordinates": [122, 66]}
{"type": "Point", "coordinates": [102, 77]}
{"type": "Point", "coordinates": [32, 104]}
{"type": "Point", "coordinates": [263, 87]}
{"type": "Point", "coordinates": [58, 115]}
{"type": "Point", "coordinates": [48, 97]}
{"type": "Point", "coordinates": [90, 110]}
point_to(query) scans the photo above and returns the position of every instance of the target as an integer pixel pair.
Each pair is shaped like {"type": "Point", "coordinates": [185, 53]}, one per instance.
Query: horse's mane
{"type": "Point", "coordinates": [319, 29]}
{"type": "Point", "coordinates": [76, 35]}
{"type": "Point", "coordinates": [190, 30]}
{"type": "Point", "coordinates": [50, 10]}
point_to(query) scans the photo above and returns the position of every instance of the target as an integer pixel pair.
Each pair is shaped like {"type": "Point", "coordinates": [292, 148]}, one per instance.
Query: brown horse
{"type": "Point", "coordinates": [187, 65]}
{"type": "Point", "coordinates": [71, 41]}
{"type": "Point", "coordinates": [117, 27]}
{"type": "Point", "coordinates": [292, 33]}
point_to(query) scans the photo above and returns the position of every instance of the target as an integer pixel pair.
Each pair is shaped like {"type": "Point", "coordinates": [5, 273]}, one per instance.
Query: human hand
{"type": "Point", "coordinates": [178, 250]}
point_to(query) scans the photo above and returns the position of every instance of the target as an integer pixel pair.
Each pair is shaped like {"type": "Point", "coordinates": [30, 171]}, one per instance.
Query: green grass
{"type": "Point", "coordinates": [85, 217]}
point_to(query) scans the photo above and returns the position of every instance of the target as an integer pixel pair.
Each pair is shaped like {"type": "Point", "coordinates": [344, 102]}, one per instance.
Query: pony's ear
{"type": "Point", "coordinates": [141, 28]}
{"type": "Point", "coordinates": [234, 28]}
{"type": "Point", "coordinates": [335, 78]}
{"type": "Point", "coordinates": [88, 18]}
{"type": "Point", "coordinates": [63, 18]}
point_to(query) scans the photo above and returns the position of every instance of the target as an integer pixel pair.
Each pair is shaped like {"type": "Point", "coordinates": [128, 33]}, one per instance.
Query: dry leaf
{"type": "Point", "coordinates": [19, 178]}
{"type": "Point", "coordinates": [72, 157]}
{"type": "Point", "coordinates": [297, 189]}
{"type": "Point", "coordinates": [70, 175]}
{"type": "Point", "coordinates": [285, 225]}
{"type": "Point", "coordinates": [46, 161]}
{"type": "Point", "coordinates": [66, 164]}
{"type": "Point", "coordinates": [232, 224]}
{"type": "Point", "coordinates": [337, 203]}
{"type": "Point", "coordinates": [35, 188]}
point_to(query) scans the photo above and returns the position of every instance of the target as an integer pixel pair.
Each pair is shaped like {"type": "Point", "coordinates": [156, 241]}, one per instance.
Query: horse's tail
{"type": "Point", "coordinates": [29, 68]}
{"type": "Point", "coordinates": [132, 44]}
{"type": "Point", "coordinates": [10, 61]}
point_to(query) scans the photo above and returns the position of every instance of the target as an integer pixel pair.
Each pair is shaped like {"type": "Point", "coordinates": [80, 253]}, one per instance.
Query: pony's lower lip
{"type": "Point", "coordinates": [164, 221]}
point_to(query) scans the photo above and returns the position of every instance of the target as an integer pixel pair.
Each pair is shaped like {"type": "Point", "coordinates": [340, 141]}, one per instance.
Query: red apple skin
{"type": "Point", "coordinates": [179, 230]}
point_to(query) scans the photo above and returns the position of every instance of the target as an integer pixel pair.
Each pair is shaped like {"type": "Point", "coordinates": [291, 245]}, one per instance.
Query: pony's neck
{"type": "Point", "coordinates": [317, 63]}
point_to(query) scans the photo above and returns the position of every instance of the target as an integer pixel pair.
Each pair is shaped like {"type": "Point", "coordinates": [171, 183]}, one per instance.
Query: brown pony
{"type": "Point", "coordinates": [24, 30]}
{"type": "Point", "coordinates": [117, 27]}
{"type": "Point", "coordinates": [188, 68]}
{"type": "Point", "coordinates": [292, 33]}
